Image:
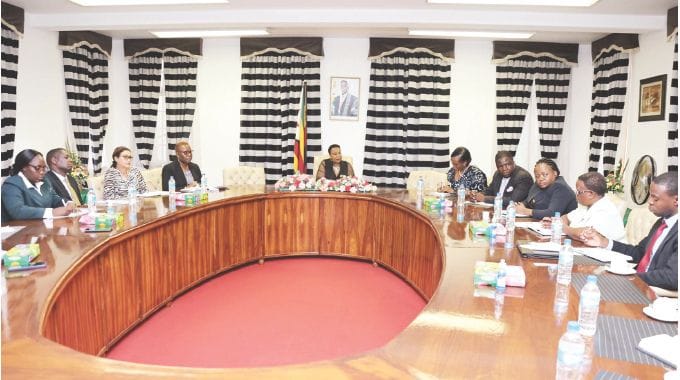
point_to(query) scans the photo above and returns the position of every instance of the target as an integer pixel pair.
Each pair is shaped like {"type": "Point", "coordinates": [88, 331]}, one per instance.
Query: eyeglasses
{"type": "Point", "coordinates": [126, 157]}
{"type": "Point", "coordinates": [186, 152]}
{"type": "Point", "coordinates": [38, 168]}
{"type": "Point", "coordinates": [580, 192]}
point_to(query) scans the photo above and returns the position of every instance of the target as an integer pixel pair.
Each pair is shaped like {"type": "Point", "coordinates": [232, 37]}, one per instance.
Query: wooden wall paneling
{"type": "Point", "coordinates": [76, 319]}
{"type": "Point", "coordinates": [346, 226]}
{"type": "Point", "coordinates": [291, 224]}
{"type": "Point", "coordinates": [239, 236]}
{"type": "Point", "coordinates": [158, 262]}
{"type": "Point", "coordinates": [191, 241]}
{"type": "Point", "coordinates": [424, 266]}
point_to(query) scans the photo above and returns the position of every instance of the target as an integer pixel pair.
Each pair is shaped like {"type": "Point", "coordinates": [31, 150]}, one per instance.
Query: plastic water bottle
{"type": "Point", "coordinates": [589, 307]}
{"type": "Point", "coordinates": [132, 194]}
{"type": "Point", "coordinates": [565, 263]}
{"type": "Point", "coordinates": [110, 210]}
{"type": "Point", "coordinates": [570, 352]}
{"type": "Point", "coordinates": [510, 225]}
{"type": "Point", "coordinates": [501, 275]}
{"type": "Point", "coordinates": [460, 214]}
{"type": "Point", "coordinates": [91, 201]}
{"type": "Point", "coordinates": [461, 195]}
{"type": "Point", "coordinates": [204, 183]}
{"type": "Point", "coordinates": [172, 195]}
{"type": "Point", "coordinates": [420, 187]}
{"type": "Point", "coordinates": [561, 304]}
{"type": "Point", "coordinates": [497, 208]}
{"type": "Point", "coordinates": [556, 229]}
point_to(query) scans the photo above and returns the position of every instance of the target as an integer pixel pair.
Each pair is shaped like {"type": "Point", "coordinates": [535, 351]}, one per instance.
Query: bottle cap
{"type": "Point", "coordinates": [592, 278]}
{"type": "Point", "coordinates": [557, 214]}
{"type": "Point", "coordinates": [567, 241]}
{"type": "Point", "coordinates": [573, 326]}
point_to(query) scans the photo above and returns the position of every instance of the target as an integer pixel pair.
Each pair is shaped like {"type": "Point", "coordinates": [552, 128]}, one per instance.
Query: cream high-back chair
{"type": "Point", "coordinates": [243, 176]}
{"type": "Point", "coordinates": [432, 179]}
{"type": "Point", "coordinates": [319, 159]}
{"type": "Point", "coordinates": [640, 221]}
{"type": "Point", "coordinates": [153, 179]}
{"type": "Point", "coordinates": [97, 183]}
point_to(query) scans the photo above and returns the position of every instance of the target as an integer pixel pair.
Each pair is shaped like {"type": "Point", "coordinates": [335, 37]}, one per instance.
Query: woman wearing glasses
{"type": "Point", "coordinates": [26, 196]}
{"type": "Point", "coordinates": [549, 193]}
{"type": "Point", "coordinates": [121, 175]}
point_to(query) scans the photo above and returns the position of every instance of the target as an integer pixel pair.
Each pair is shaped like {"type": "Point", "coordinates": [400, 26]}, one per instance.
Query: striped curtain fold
{"type": "Point", "coordinates": [10, 62]}
{"type": "Point", "coordinates": [514, 81]}
{"type": "Point", "coordinates": [271, 87]}
{"type": "Point", "coordinates": [608, 98]}
{"type": "Point", "coordinates": [673, 114]}
{"type": "Point", "coordinates": [145, 86]}
{"type": "Point", "coordinates": [86, 78]}
{"type": "Point", "coordinates": [407, 125]}
{"type": "Point", "coordinates": [180, 72]}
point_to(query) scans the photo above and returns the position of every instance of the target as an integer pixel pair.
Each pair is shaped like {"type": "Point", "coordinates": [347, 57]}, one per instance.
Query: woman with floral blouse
{"type": "Point", "coordinates": [464, 174]}
{"type": "Point", "coordinates": [121, 175]}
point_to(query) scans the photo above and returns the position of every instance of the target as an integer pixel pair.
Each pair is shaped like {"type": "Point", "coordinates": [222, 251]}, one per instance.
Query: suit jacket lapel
{"type": "Point", "coordinates": [672, 234]}
{"type": "Point", "coordinates": [59, 186]}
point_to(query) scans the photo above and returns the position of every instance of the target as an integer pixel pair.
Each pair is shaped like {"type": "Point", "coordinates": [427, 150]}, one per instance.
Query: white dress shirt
{"type": "Point", "coordinates": [48, 211]}
{"type": "Point", "coordinates": [603, 216]}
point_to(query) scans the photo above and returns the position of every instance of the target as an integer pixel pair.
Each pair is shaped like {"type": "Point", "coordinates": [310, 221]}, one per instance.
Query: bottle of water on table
{"type": "Point", "coordinates": [91, 201]}
{"type": "Point", "coordinates": [461, 195]}
{"type": "Point", "coordinates": [501, 277]}
{"type": "Point", "coordinates": [510, 225]}
{"type": "Point", "coordinates": [132, 194]}
{"type": "Point", "coordinates": [565, 263]}
{"type": "Point", "coordinates": [172, 195]}
{"type": "Point", "coordinates": [556, 229]}
{"type": "Point", "coordinates": [497, 208]}
{"type": "Point", "coordinates": [570, 352]}
{"type": "Point", "coordinates": [420, 187]}
{"type": "Point", "coordinates": [589, 307]}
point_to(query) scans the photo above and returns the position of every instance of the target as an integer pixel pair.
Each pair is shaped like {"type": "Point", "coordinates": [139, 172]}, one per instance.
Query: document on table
{"type": "Point", "coordinates": [601, 254]}
{"type": "Point", "coordinates": [158, 193]}
{"type": "Point", "coordinates": [662, 347]}
{"type": "Point", "coordinates": [8, 231]}
{"type": "Point", "coordinates": [536, 227]}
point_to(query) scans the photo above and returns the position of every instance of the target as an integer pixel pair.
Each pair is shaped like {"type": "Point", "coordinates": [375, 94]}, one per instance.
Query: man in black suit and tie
{"type": "Point", "coordinates": [59, 176]}
{"type": "Point", "coordinates": [657, 254]}
{"type": "Point", "coordinates": [509, 179]}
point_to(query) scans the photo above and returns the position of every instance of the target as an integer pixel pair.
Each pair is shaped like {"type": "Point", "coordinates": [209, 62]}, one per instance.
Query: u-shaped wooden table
{"type": "Point", "coordinates": [58, 321]}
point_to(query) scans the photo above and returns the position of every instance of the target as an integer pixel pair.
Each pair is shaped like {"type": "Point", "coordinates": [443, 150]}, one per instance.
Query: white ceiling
{"type": "Point", "coordinates": [354, 18]}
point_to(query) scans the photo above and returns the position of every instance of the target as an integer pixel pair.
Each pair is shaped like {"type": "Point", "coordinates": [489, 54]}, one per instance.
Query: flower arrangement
{"type": "Point", "coordinates": [296, 182]}
{"type": "Point", "coordinates": [78, 171]}
{"type": "Point", "coordinates": [345, 184]}
{"type": "Point", "coordinates": [615, 178]}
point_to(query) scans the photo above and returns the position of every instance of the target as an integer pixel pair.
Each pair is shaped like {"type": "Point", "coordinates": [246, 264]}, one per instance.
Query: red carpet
{"type": "Point", "coordinates": [285, 311]}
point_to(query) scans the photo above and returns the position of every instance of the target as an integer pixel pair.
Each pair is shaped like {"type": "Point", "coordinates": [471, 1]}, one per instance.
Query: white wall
{"type": "Point", "coordinates": [43, 124]}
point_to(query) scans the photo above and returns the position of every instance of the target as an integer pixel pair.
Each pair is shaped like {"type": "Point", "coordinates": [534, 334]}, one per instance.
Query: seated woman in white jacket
{"type": "Point", "coordinates": [596, 210]}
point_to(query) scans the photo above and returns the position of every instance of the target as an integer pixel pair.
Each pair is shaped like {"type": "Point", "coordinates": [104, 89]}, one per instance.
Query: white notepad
{"type": "Point", "coordinates": [662, 347]}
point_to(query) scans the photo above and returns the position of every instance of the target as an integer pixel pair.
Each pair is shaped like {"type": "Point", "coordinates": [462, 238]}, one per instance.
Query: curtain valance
{"type": "Point", "coordinates": [13, 18]}
{"type": "Point", "coordinates": [192, 47]}
{"type": "Point", "coordinates": [308, 46]}
{"type": "Point", "coordinates": [672, 22]}
{"type": "Point", "coordinates": [624, 42]}
{"type": "Point", "coordinates": [442, 48]}
{"type": "Point", "coordinates": [506, 50]}
{"type": "Point", "coordinates": [71, 40]}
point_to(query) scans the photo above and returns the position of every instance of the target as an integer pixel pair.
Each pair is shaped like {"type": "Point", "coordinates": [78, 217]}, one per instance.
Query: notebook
{"type": "Point", "coordinates": [536, 227]}
{"type": "Point", "coordinates": [539, 250]}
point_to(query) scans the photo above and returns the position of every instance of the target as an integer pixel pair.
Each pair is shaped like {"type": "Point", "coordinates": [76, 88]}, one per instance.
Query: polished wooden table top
{"type": "Point", "coordinates": [464, 332]}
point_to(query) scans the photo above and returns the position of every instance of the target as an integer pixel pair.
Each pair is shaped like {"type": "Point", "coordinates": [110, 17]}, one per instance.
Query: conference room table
{"type": "Point", "coordinates": [58, 323]}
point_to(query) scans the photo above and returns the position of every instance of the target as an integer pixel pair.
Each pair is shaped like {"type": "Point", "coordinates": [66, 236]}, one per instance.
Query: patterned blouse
{"type": "Point", "coordinates": [115, 187]}
{"type": "Point", "coordinates": [473, 179]}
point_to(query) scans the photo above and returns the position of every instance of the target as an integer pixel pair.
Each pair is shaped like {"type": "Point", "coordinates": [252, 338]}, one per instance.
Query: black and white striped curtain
{"type": "Point", "coordinates": [272, 74]}
{"type": "Point", "coordinates": [672, 33]}
{"type": "Point", "coordinates": [12, 28]}
{"type": "Point", "coordinates": [546, 68]}
{"type": "Point", "coordinates": [86, 79]}
{"type": "Point", "coordinates": [144, 74]}
{"type": "Point", "coordinates": [407, 124]}
{"type": "Point", "coordinates": [176, 62]}
{"type": "Point", "coordinates": [180, 73]}
{"type": "Point", "coordinates": [610, 78]}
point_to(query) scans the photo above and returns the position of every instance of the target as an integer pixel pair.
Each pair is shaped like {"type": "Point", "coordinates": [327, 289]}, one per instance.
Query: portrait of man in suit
{"type": "Point", "coordinates": [345, 103]}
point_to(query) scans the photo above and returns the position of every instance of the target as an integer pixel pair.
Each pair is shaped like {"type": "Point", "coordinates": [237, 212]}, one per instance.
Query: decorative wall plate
{"type": "Point", "coordinates": [645, 169]}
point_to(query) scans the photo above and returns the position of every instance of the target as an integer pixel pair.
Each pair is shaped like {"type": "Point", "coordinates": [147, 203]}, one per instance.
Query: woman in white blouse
{"type": "Point", "coordinates": [121, 175]}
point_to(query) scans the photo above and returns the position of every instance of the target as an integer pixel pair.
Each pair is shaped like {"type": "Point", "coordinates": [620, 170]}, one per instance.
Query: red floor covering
{"type": "Point", "coordinates": [285, 311]}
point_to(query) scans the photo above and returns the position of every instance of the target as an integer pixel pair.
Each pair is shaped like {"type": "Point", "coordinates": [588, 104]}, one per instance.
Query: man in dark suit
{"type": "Point", "coordinates": [185, 172]}
{"type": "Point", "coordinates": [511, 180]}
{"type": "Point", "coordinates": [59, 176]}
{"type": "Point", "coordinates": [657, 254]}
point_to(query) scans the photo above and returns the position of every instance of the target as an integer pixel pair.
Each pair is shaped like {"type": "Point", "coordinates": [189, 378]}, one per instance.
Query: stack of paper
{"type": "Point", "coordinates": [662, 347]}
{"type": "Point", "coordinates": [601, 254]}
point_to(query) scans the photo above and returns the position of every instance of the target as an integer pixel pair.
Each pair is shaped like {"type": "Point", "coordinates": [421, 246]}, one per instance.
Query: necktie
{"type": "Point", "coordinates": [72, 191]}
{"type": "Point", "coordinates": [644, 263]}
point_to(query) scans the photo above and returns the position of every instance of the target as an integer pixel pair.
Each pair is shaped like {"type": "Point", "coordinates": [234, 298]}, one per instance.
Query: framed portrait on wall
{"type": "Point", "coordinates": [652, 98]}
{"type": "Point", "coordinates": [344, 98]}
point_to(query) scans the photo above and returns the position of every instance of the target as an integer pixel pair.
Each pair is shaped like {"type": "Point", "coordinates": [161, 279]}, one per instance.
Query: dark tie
{"type": "Point", "coordinates": [644, 263]}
